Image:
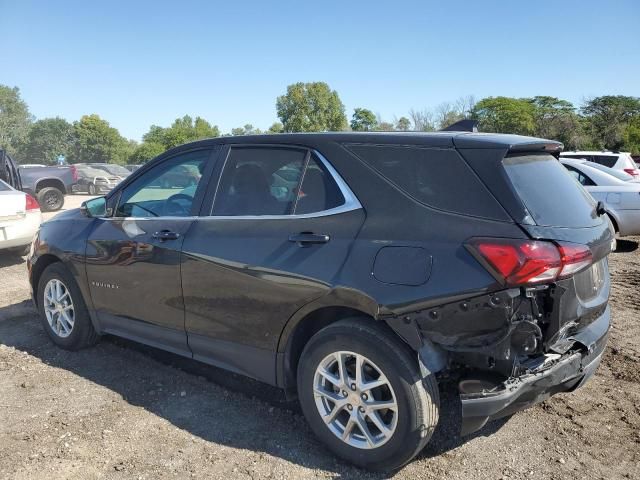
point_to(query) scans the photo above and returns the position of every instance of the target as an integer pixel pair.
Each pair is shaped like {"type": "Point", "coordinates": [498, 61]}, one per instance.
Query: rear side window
{"type": "Point", "coordinates": [606, 160]}
{"type": "Point", "coordinates": [548, 191]}
{"type": "Point", "coordinates": [435, 177]}
{"type": "Point", "coordinates": [319, 191]}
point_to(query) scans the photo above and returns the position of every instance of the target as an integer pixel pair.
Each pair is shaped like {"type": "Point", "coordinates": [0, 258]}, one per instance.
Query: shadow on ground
{"type": "Point", "coordinates": [626, 246]}
{"type": "Point", "coordinates": [209, 413]}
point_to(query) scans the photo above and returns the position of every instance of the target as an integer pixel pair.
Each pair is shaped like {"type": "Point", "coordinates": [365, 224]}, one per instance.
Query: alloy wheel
{"type": "Point", "coordinates": [58, 308]}
{"type": "Point", "coordinates": [355, 399]}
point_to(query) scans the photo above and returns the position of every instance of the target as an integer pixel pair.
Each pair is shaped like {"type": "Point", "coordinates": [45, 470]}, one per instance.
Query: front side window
{"type": "Point", "coordinates": [167, 189]}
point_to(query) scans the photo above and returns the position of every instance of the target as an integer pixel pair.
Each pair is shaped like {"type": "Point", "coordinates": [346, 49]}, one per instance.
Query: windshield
{"type": "Point", "coordinates": [549, 192]}
{"type": "Point", "coordinates": [619, 174]}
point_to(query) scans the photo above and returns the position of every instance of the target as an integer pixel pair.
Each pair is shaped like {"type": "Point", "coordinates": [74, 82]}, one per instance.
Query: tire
{"type": "Point", "coordinates": [81, 334]}
{"type": "Point", "coordinates": [416, 399]}
{"type": "Point", "coordinates": [50, 199]}
{"type": "Point", "coordinates": [92, 189]}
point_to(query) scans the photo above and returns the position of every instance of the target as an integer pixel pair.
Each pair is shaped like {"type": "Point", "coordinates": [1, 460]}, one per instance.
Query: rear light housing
{"type": "Point", "coordinates": [632, 171]}
{"type": "Point", "coordinates": [529, 262]}
{"type": "Point", "coordinates": [31, 203]}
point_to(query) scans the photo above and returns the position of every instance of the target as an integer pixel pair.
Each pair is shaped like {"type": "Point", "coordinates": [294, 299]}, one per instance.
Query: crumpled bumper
{"type": "Point", "coordinates": [563, 374]}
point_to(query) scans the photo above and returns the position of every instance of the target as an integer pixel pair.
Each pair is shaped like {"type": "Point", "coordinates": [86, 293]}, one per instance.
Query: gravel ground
{"type": "Point", "coordinates": [120, 410]}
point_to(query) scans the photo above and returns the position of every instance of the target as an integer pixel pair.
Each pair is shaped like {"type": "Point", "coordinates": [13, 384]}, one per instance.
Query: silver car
{"type": "Point", "coordinates": [619, 193]}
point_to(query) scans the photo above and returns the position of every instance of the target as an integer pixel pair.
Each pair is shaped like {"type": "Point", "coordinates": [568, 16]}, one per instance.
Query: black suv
{"type": "Point", "coordinates": [348, 269]}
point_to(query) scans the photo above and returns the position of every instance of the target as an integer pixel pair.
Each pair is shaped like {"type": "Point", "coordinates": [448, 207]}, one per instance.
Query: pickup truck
{"type": "Point", "coordinates": [48, 184]}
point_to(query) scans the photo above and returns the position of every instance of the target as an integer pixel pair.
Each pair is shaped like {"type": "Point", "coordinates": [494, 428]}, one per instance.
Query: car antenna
{"type": "Point", "coordinates": [466, 125]}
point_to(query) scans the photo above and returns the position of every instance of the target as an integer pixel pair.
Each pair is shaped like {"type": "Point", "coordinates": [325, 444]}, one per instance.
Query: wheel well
{"type": "Point", "coordinates": [311, 324]}
{"type": "Point", "coordinates": [50, 182]}
{"type": "Point", "coordinates": [43, 262]}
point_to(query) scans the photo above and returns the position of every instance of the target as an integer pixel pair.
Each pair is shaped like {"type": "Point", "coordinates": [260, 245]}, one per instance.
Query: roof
{"type": "Point", "coordinates": [427, 139]}
{"type": "Point", "coordinates": [592, 152]}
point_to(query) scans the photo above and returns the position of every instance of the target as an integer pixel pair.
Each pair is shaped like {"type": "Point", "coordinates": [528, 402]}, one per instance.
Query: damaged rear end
{"type": "Point", "coordinates": [543, 328]}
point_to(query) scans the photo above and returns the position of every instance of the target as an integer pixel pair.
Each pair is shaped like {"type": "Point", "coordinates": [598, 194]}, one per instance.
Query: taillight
{"type": "Point", "coordinates": [632, 171]}
{"type": "Point", "coordinates": [31, 203]}
{"type": "Point", "coordinates": [529, 262]}
{"type": "Point", "coordinates": [74, 173]}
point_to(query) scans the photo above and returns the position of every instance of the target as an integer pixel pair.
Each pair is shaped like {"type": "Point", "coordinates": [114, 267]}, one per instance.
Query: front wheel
{"type": "Point", "coordinates": [63, 312]}
{"type": "Point", "coordinates": [92, 189]}
{"type": "Point", "coordinates": [361, 391]}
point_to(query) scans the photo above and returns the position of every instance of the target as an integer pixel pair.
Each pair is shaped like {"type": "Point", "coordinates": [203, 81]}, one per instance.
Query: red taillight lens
{"type": "Point", "coordinates": [529, 262]}
{"type": "Point", "coordinates": [632, 171]}
{"type": "Point", "coordinates": [575, 257]}
{"type": "Point", "coordinates": [74, 173]}
{"type": "Point", "coordinates": [31, 203]}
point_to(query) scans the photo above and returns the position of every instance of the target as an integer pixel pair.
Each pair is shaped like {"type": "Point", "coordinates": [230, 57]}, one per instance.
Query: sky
{"type": "Point", "coordinates": [138, 63]}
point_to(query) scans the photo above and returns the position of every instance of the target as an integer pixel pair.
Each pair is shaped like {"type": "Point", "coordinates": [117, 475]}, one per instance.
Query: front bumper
{"type": "Point", "coordinates": [563, 374]}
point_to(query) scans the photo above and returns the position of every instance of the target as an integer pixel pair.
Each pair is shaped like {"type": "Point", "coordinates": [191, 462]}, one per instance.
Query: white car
{"type": "Point", "coordinates": [20, 218]}
{"type": "Point", "coordinates": [617, 160]}
{"type": "Point", "coordinates": [619, 193]}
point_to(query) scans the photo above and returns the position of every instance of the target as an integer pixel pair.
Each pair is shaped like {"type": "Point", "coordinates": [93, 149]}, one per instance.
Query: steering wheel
{"type": "Point", "coordinates": [173, 207]}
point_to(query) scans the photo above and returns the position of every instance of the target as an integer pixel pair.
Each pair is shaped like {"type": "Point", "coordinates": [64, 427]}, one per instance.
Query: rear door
{"type": "Point", "coordinates": [275, 234]}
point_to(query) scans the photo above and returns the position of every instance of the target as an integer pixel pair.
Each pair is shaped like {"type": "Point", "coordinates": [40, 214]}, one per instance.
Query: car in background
{"type": "Point", "coordinates": [94, 181]}
{"type": "Point", "coordinates": [621, 197]}
{"type": "Point", "coordinates": [49, 184]}
{"type": "Point", "coordinates": [616, 160]}
{"type": "Point", "coordinates": [132, 168]}
{"type": "Point", "coordinates": [112, 169]}
{"type": "Point", "coordinates": [20, 218]}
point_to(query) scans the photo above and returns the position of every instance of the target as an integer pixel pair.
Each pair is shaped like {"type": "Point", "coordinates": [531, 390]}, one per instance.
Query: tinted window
{"type": "Point", "coordinates": [259, 181]}
{"type": "Point", "coordinates": [165, 190]}
{"type": "Point", "coordinates": [619, 174]}
{"type": "Point", "coordinates": [606, 160]}
{"type": "Point", "coordinates": [438, 178]}
{"type": "Point", "coordinates": [319, 190]}
{"type": "Point", "coordinates": [551, 196]}
{"type": "Point", "coordinates": [4, 187]}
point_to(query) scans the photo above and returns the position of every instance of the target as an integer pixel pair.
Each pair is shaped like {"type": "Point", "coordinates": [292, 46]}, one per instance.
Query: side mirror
{"type": "Point", "coordinates": [95, 208]}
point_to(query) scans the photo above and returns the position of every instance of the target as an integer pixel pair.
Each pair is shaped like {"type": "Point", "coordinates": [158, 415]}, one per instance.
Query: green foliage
{"type": "Point", "coordinates": [182, 130]}
{"type": "Point", "coordinates": [145, 152]}
{"type": "Point", "coordinates": [15, 120]}
{"type": "Point", "coordinates": [276, 127]}
{"type": "Point", "coordinates": [47, 139]}
{"type": "Point", "coordinates": [248, 129]}
{"type": "Point", "coordinates": [385, 127]}
{"type": "Point", "coordinates": [311, 107]}
{"type": "Point", "coordinates": [631, 136]}
{"type": "Point", "coordinates": [505, 115]}
{"type": "Point", "coordinates": [363, 120]}
{"type": "Point", "coordinates": [609, 117]}
{"type": "Point", "coordinates": [403, 124]}
{"type": "Point", "coordinates": [557, 119]}
{"type": "Point", "coordinates": [96, 141]}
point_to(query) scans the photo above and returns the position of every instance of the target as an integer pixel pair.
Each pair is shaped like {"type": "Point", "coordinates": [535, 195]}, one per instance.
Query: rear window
{"type": "Point", "coordinates": [4, 187]}
{"type": "Point", "coordinates": [548, 191]}
{"type": "Point", "coordinates": [606, 160]}
{"type": "Point", "coordinates": [435, 177]}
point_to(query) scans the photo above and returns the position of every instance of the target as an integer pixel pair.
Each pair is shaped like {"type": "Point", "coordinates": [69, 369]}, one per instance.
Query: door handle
{"type": "Point", "coordinates": [305, 239]}
{"type": "Point", "coordinates": [166, 235]}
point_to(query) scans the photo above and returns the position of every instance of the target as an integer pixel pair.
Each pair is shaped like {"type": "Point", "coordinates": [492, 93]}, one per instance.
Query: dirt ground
{"type": "Point", "coordinates": [120, 410]}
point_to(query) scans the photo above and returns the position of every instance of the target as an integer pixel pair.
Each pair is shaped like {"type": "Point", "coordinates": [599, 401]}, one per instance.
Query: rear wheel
{"type": "Point", "coordinates": [50, 199]}
{"type": "Point", "coordinates": [62, 309]}
{"type": "Point", "coordinates": [361, 391]}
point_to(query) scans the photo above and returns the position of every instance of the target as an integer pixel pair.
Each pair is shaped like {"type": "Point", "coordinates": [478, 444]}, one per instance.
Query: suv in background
{"type": "Point", "coordinates": [94, 180]}
{"type": "Point", "coordinates": [348, 269]}
{"type": "Point", "coordinates": [616, 160]}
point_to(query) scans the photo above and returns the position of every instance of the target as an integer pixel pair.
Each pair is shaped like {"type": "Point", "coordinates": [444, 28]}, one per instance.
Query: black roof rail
{"type": "Point", "coordinates": [465, 125]}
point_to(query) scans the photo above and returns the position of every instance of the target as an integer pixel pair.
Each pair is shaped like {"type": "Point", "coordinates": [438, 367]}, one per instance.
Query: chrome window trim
{"type": "Point", "coordinates": [351, 202]}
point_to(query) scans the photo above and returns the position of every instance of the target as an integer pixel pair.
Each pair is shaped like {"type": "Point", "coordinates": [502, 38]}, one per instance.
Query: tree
{"type": "Point", "coordinates": [276, 127]}
{"type": "Point", "coordinates": [447, 114]}
{"type": "Point", "coordinates": [311, 107]}
{"type": "Point", "coordinates": [248, 129]}
{"type": "Point", "coordinates": [96, 141]}
{"type": "Point", "coordinates": [631, 136]}
{"type": "Point", "coordinates": [556, 119]}
{"type": "Point", "coordinates": [608, 117]}
{"type": "Point", "coordinates": [47, 139]}
{"type": "Point", "coordinates": [145, 152]}
{"type": "Point", "coordinates": [505, 115]}
{"type": "Point", "coordinates": [403, 124]}
{"type": "Point", "coordinates": [15, 119]}
{"type": "Point", "coordinates": [363, 120]}
{"type": "Point", "coordinates": [385, 127]}
{"type": "Point", "coordinates": [181, 131]}
{"type": "Point", "coordinates": [422, 120]}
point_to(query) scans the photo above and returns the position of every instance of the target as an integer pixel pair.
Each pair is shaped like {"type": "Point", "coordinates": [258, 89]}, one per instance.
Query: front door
{"type": "Point", "coordinates": [133, 257]}
{"type": "Point", "coordinates": [275, 239]}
